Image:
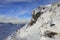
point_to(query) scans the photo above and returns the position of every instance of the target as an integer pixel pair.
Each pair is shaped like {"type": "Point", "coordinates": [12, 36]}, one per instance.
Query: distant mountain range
{"type": "Point", "coordinates": [7, 29]}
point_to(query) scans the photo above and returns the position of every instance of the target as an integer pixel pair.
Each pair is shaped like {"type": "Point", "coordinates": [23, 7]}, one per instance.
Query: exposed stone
{"type": "Point", "coordinates": [52, 25]}
{"type": "Point", "coordinates": [35, 17]}
{"type": "Point", "coordinates": [50, 34]}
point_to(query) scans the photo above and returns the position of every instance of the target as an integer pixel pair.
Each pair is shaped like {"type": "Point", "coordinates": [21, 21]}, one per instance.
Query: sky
{"type": "Point", "coordinates": [19, 11]}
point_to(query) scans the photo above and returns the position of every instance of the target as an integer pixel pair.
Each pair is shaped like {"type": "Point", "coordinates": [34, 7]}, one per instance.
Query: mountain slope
{"type": "Point", "coordinates": [44, 25]}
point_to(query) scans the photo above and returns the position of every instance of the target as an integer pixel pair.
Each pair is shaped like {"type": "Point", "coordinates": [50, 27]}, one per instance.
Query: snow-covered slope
{"type": "Point", "coordinates": [44, 25]}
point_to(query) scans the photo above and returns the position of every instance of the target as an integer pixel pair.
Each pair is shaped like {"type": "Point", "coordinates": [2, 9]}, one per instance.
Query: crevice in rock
{"type": "Point", "coordinates": [50, 34]}
{"type": "Point", "coordinates": [35, 17]}
{"type": "Point", "coordinates": [52, 24]}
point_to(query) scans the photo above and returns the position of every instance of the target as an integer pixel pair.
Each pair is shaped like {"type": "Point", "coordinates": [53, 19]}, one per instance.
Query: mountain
{"type": "Point", "coordinates": [7, 29]}
{"type": "Point", "coordinates": [44, 25]}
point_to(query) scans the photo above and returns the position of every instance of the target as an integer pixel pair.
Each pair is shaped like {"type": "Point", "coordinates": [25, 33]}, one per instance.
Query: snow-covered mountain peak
{"type": "Point", "coordinates": [38, 12]}
{"type": "Point", "coordinates": [42, 8]}
{"type": "Point", "coordinates": [44, 25]}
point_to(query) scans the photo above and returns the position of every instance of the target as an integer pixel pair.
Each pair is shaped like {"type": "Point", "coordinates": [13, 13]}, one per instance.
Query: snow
{"type": "Point", "coordinates": [36, 31]}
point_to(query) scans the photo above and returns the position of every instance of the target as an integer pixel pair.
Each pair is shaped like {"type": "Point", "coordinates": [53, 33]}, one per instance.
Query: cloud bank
{"type": "Point", "coordinates": [13, 20]}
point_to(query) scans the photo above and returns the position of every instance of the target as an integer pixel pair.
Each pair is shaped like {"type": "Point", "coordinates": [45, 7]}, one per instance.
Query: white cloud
{"type": "Point", "coordinates": [13, 20]}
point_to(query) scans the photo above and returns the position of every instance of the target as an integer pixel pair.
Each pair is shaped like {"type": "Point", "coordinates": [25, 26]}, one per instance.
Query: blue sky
{"type": "Point", "coordinates": [19, 11]}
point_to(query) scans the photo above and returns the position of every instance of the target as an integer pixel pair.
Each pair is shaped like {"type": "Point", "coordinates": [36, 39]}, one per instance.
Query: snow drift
{"type": "Point", "coordinates": [44, 25]}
